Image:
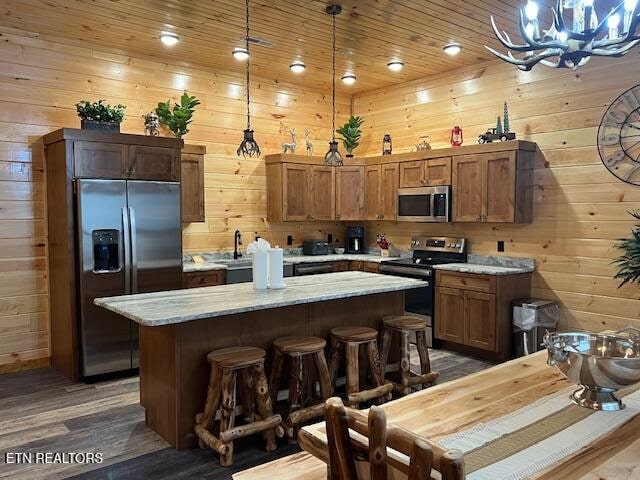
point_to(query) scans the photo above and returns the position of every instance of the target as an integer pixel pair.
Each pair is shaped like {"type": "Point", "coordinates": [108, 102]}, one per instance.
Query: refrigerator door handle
{"type": "Point", "coordinates": [126, 240]}
{"type": "Point", "coordinates": [134, 251]}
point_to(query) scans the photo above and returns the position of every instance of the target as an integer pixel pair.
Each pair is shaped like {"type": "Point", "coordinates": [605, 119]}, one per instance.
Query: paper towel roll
{"type": "Point", "coordinates": [276, 274]}
{"type": "Point", "coordinates": [260, 270]}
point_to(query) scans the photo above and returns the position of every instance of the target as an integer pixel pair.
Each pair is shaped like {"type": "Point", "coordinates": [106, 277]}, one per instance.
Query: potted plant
{"type": "Point", "coordinates": [100, 116]}
{"type": "Point", "coordinates": [179, 118]}
{"type": "Point", "coordinates": [351, 134]}
{"type": "Point", "coordinates": [628, 264]}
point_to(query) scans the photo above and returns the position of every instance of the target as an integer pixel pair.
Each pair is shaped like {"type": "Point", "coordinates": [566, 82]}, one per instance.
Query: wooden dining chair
{"type": "Point", "coordinates": [345, 448]}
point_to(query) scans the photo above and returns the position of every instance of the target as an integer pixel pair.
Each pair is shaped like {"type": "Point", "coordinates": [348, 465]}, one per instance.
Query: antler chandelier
{"type": "Point", "coordinates": [333, 157]}
{"type": "Point", "coordinates": [571, 46]}
{"type": "Point", "coordinates": [248, 146]}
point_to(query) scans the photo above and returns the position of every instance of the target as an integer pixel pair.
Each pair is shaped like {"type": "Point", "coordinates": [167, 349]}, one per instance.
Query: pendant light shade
{"type": "Point", "coordinates": [248, 146]}
{"type": "Point", "coordinates": [333, 157]}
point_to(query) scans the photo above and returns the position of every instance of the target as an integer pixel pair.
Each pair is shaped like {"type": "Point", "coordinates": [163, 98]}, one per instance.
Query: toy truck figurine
{"type": "Point", "coordinates": [493, 134]}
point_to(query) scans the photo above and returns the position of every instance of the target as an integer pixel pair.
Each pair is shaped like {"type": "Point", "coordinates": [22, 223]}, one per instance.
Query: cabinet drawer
{"type": "Point", "coordinates": [203, 279]}
{"type": "Point", "coordinates": [372, 267]}
{"type": "Point", "coordinates": [342, 266]}
{"type": "Point", "coordinates": [466, 281]}
{"type": "Point", "coordinates": [154, 163]}
{"type": "Point", "coordinates": [357, 265]}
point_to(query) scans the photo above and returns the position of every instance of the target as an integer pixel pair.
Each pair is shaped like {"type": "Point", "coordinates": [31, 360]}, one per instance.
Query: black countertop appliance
{"type": "Point", "coordinates": [314, 247]}
{"type": "Point", "coordinates": [355, 240]}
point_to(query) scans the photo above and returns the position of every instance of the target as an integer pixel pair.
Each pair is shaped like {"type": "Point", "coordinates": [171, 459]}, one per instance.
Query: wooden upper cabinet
{"type": "Point", "coordinates": [153, 163]}
{"type": "Point", "coordinates": [480, 320]}
{"type": "Point", "coordinates": [349, 193]}
{"type": "Point", "coordinates": [412, 174]}
{"type": "Point", "coordinates": [372, 200]}
{"type": "Point", "coordinates": [295, 192]}
{"type": "Point", "coordinates": [500, 187]}
{"type": "Point", "coordinates": [322, 191]}
{"type": "Point", "coordinates": [422, 173]}
{"type": "Point", "coordinates": [437, 171]}
{"type": "Point", "coordinates": [389, 191]}
{"type": "Point", "coordinates": [99, 160]}
{"type": "Point", "coordinates": [493, 187]}
{"type": "Point", "coordinates": [468, 188]}
{"type": "Point", "coordinates": [192, 184]}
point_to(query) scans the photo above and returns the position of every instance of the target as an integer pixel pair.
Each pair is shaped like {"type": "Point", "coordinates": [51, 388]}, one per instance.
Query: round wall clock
{"type": "Point", "coordinates": [619, 137]}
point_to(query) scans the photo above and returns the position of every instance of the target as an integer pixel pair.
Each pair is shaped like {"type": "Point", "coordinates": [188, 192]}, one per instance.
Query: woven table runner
{"type": "Point", "coordinates": [527, 441]}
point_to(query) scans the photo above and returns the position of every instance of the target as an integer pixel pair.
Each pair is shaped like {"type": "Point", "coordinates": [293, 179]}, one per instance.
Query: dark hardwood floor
{"type": "Point", "coordinates": [40, 411]}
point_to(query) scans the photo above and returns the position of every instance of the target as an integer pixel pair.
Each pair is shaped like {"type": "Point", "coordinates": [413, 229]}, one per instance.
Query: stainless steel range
{"type": "Point", "coordinates": [427, 252]}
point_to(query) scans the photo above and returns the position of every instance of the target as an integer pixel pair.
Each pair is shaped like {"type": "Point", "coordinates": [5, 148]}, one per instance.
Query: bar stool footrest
{"type": "Point", "coordinates": [254, 427]}
{"type": "Point", "coordinates": [366, 395]}
{"type": "Point", "coordinates": [305, 414]}
{"type": "Point", "coordinates": [211, 440]}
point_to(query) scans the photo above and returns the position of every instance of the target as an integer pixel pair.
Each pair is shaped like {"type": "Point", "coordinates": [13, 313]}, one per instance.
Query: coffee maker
{"type": "Point", "coordinates": [355, 240]}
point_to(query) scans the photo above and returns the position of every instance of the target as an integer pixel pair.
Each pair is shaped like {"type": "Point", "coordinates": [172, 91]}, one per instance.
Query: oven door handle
{"type": "Point", "coordinates": [405, 271]}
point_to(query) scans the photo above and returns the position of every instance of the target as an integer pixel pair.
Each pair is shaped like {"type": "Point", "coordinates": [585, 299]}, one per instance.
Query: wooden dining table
{"type": "Point", "coordinates": [456, 406]}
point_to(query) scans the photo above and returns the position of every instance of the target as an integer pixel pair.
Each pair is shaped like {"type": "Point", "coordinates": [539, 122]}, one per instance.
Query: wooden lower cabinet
{"type": "Point", "coordinates": [474, 311]}
{"type": "Point", "coordinates": [209, 278]}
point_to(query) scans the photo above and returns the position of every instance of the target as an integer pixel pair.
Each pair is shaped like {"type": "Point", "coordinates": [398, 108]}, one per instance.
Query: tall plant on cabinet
{"type": "Point", "coordinates": [350, 134]}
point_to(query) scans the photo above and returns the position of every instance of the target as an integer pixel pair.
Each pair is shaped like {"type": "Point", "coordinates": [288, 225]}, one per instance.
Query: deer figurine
{"type": "Point", "coordinates": [291, 147]}
{"type": "Point", "coordinates": [307, 141]}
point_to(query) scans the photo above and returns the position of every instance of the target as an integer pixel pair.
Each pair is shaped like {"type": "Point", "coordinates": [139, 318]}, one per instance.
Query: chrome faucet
{"type": "Point", "coordinates": [237, 240]}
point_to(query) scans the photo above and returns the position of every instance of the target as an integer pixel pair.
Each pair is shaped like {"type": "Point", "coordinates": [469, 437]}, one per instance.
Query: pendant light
{"type": "Point", "coordinates": [248, 146]}
{"type": "Point", "coordinates": [333, 156]}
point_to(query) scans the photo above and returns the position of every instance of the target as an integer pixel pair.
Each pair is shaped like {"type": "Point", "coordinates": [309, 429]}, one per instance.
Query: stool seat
{"type": "Point", "coordinates": [355, 334]}
{"type": "Point", "coordinates": [404, 322]}
{"type": "Point", "coordinates": [235, 358]}
{"type": "Point", "coordinates": [299, 345]}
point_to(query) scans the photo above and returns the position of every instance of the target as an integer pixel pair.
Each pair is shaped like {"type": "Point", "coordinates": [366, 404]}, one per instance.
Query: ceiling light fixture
{"type": "Point", "coordinates": [169, 38]}
{"type": "Point", "coordinates": [333, 157]}
{"type": "Point", "coordinates": [248, 146]}
{"type": "Point", "coordinates": [395, 65]}
{"type": "Point", "coordinates": [241, 53]}
{"type": "Point", "coordinates": [452, 48]}
{"type": "Point", "coordinates": [571, 45]}
{"type": "Point", "coordinates": [348, 78]}
{"type": "Point", "coordinates": [297, 67]}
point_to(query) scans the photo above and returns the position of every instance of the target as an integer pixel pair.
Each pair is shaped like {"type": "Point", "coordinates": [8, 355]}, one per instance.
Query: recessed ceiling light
{"type": "Point", "coordinates": [240, 53]}
{"type": "Point", "coordinates": [452, 48]}
{"type": "Point", "coordinates": [349, 78]}
{"type": "Point", "coordinates": [169, 38]}
{"type": "Point", "coordinates": [395, 65]}
{"type": "Point", "coordinates": [297, 67]}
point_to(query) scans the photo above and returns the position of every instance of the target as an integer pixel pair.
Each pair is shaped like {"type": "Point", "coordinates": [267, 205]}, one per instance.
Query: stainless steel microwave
{"type": "Point", "coordinates": [424, 204]}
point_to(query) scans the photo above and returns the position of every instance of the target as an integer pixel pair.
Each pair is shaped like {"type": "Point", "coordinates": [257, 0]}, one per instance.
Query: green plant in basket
{"type": "Point", "coordinates": [628, 264]}
{"type": "Point", "coordinates": [100, 111]}
{"type": "Point", "coordinates": [178, 118]}
{"type": "Point", "coordinates": [351, 133]}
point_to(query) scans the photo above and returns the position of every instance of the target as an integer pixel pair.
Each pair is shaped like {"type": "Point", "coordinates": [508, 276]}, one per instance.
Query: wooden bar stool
{"type": "Point", "coordinates": [296, 349]}
{"type": "Point", "coordinates": [404, 325]}
{"type": "Point", "coordinates": [346, 341]}
{"type": "Point", "coordinates": [226, 363]}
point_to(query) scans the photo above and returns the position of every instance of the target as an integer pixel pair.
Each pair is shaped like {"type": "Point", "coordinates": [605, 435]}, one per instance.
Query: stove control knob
{"type": "Point", "coordinates": [449, 245]}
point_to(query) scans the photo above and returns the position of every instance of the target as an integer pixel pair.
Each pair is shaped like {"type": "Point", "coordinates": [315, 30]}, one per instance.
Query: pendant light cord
{"type": "Point", "coordinates": [248, 62]}
{"type": "Point", "coordinates": [333, 83]}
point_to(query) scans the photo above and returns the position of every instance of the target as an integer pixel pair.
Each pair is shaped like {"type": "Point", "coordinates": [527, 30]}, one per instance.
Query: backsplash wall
{"type": "Point", "coordinates": [580, 208]}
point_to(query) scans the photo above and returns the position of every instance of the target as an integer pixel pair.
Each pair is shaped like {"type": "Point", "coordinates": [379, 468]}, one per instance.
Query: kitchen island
{"type": "Point", "coordinates": [179, 328]}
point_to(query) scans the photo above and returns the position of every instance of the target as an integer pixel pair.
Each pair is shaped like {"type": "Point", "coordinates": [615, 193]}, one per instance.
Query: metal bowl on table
{"type": "Point", "coordinates": [599, 363]}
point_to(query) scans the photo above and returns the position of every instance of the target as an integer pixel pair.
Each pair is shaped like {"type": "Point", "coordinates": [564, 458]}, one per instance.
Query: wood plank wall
{"type": "Point", "coordinates": [40, 81]}
{"type": "Point", "coordinates": [580, 208]}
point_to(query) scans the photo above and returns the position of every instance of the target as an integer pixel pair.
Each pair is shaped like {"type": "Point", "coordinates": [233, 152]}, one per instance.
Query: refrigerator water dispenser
{"type": "Point", "coordinates": [106, 251]}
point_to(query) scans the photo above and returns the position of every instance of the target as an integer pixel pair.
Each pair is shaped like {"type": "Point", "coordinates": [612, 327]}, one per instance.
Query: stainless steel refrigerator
{"type": "Point", "coordinates": [130, 241]}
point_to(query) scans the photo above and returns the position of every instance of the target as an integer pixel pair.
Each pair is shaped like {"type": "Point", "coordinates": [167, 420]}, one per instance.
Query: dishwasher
{"type": "Point", "coordinates": [312, 268]}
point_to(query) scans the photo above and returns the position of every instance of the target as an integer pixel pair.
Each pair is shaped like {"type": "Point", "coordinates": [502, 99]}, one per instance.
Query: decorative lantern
{"type": "Point", "coordinates": [456, 136]}
{"type": "Point", "coordinates": [386, 144]}
{"type": "Point", "coordinates": [151, 124]}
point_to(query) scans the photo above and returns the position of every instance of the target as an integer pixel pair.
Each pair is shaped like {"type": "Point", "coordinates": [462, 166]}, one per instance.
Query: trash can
{"type": "Point", "coordinates": [532, 318]}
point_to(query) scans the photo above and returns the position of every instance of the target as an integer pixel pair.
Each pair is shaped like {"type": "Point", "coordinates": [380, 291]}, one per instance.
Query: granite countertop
{"type": "Point", "coordinates": [482, 269]}
{"type": "Point", "coordinates": [290, 259]}
{"type": "Point", "coordinates": [178, 306]}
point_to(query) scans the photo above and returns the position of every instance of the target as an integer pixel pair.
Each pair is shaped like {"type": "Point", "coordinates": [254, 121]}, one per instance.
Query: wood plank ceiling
{"type": "Point", "coordinates": [370, 33]}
